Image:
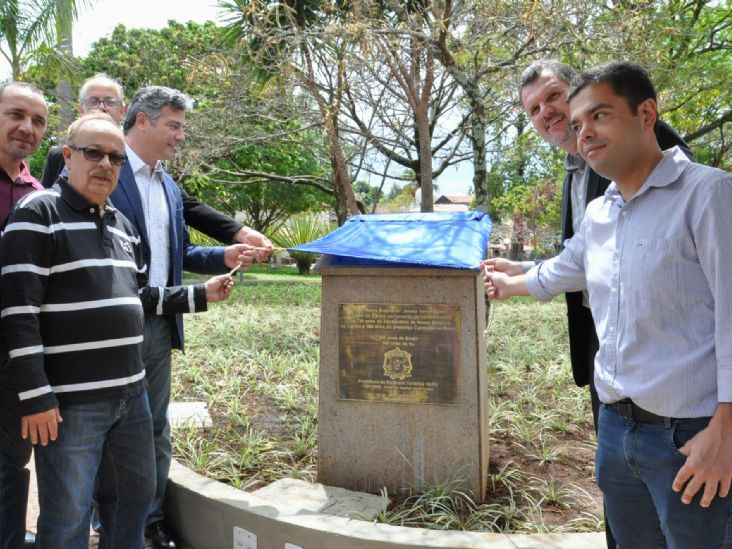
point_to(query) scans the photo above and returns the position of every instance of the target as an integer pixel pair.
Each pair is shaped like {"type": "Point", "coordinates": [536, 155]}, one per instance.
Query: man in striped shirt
{"type": "Point", "coordinates": [73, 318]}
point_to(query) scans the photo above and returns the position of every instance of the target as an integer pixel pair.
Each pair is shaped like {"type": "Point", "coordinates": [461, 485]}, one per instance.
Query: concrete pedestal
{"type": "Point", "coordinates": [402, 378]}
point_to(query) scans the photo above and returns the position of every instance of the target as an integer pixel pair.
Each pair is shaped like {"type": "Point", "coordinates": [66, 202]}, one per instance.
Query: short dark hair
{"type": "Point", "coordinates": [628, 80]}
{"type": "Point", "coordinates": [541, 67]}
{"type": "Point", "coordinates": [14, 84]}
{"type": "Point", "coordinates": [151, 101]}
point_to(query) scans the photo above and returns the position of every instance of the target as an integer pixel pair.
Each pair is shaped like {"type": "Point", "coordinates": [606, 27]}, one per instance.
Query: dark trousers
{"type": "Point", "coordinates": [156, 351]}
{"type": "Point", "coordinates": [15, 454]}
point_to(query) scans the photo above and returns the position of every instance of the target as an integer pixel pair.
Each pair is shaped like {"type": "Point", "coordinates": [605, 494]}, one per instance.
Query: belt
{"type": "Point", "coordinates": [630, 410]}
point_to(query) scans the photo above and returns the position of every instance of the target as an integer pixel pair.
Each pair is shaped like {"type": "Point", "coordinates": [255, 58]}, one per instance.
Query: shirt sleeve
{"type": "Point", "coordinates": [27, 261]}
{"type": "Point", "coordinates": [712, 232]}
{"type": "Point", "coordinates": [560, 274]}
{"type": "Point", "coordinates": [167, 300]}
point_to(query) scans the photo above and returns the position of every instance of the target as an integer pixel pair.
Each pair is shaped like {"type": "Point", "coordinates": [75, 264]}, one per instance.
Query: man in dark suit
{"type": "Point", "coordinates": [154, 126]}
{"type": "Point", "coordinates": [543, 91]}
{"type": "Point", "coordinates": [101, 93]}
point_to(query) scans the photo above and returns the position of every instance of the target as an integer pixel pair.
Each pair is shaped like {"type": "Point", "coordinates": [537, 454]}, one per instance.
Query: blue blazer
{"type": "Point", "coordinates": [183, 254]}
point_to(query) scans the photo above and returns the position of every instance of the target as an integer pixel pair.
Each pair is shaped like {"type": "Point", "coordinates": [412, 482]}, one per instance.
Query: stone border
{"type": "Point", "coordinates": [209, 515]}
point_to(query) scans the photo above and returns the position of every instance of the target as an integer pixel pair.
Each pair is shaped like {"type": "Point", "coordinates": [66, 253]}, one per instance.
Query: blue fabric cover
{"type": "Point", "coordinates": [456, 240]}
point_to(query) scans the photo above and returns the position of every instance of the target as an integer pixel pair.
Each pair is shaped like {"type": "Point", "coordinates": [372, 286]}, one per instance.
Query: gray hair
{"type": "Point", "coordinates": [151, 100]}
{"type": "Point", "coordinates": [104, 80]}
{"type": "Point", "coordinates": [23, 85]}
{"type": "Point", "coordinates": [541, 67]}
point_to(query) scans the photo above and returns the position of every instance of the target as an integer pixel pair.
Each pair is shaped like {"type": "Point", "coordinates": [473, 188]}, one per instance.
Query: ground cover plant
{"type": "Point", "coordinates": [254, 361]}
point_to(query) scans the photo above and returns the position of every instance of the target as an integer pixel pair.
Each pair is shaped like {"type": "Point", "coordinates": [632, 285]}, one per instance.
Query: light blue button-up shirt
{"type": "Point", "coordinates": [658, 270]}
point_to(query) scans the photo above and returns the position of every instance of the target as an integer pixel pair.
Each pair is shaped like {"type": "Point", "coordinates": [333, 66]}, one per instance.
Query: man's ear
{"type": "Point", "coordinates": [141, 120]}
{"type": "Point", "coordinates": [66, 151]}
{"type": "Point", "coordinates": [648, 109]}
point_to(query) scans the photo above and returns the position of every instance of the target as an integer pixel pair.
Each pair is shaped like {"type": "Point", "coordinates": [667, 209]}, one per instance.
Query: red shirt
{"type": "Point", "coordinates": [13, 190]}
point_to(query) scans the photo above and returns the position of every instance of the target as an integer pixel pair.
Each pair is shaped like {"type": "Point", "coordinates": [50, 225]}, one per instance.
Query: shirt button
{"type": "Point", "coordinates": [91, 210]}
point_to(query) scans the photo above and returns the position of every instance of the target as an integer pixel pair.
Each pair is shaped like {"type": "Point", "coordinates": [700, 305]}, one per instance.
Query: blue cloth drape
{"type": "Point", "coordinates": [455, 240]}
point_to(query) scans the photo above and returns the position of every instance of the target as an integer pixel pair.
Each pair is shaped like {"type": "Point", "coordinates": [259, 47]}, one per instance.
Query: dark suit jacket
{"type": "Point", "coordinates": [582, 335]}
{"type": "Point", "coordinates": [198, 215]}
{"type": "Point", "coordinates": [183, 254]}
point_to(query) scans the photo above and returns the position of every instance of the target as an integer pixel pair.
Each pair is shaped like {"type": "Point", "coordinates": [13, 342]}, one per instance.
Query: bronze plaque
{"type": "Point", "coordinates": [398, 353]}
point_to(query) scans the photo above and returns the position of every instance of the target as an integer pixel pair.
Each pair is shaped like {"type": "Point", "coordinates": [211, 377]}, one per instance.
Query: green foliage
{"type": "Point", "coordinates": [523, 159]}
{"type": "Point", "coordinates": [28, 27]}
{"type": "Point", "coordinates": [300, 230]}
{"type": "Point", "coordinates": [266, 203]}
{"type": "Point", "coordinates": [367, 194]}
{"type": "Point", "coordinates": [185, 56]}
{"type": "Point", "coordinates": [535, 210]}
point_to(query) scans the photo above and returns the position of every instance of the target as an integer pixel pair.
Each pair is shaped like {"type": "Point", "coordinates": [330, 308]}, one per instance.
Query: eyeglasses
{"type": "Point", "coordinates": [95, 155]}
{"type": "Point", "coordinates": [109, 102]}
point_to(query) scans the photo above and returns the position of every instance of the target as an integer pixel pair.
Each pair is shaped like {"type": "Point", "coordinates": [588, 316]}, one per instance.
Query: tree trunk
{"type": "Point", "coordinates": [66, 102]}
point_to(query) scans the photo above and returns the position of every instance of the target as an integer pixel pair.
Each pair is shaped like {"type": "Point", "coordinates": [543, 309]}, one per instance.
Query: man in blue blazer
{"type": "Point", "coordinates": [154, 125]}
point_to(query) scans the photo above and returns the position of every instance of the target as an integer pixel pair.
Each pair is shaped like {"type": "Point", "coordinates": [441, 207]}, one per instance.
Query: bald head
{"type": "Point", "coordinates": [94, 154]}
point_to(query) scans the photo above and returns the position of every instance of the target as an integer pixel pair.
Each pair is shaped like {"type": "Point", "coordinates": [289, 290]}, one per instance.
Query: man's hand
{"type": "Point", "coordinates": [502, 265]}
{"type": "Point", "coordinates": [239, 252]}
{"type": "Point", "coordinates": [263, 246]}
{"type": "Point", "coordinates": [218, 288]}
{"type": "Point", "coordinates": [42, 426]}
{"type": "Point", "coordinates": [708, 460]}
{"type": "Point", "coordinates": [501, 286]}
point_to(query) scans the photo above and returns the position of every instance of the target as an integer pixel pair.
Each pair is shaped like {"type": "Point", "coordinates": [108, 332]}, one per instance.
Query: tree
{"type": "Point", "coordinates": [28, 28]}
{"type": "Point", "coordinates": [409, 100]}
{"type": "Point", "coordinates": [266, 202]}
{"type": "Point", "coordinates": [292, 37]}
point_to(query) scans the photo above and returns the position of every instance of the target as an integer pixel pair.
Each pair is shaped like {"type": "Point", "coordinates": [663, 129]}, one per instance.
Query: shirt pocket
{"type": "Point", "coordinates": [653, 269]}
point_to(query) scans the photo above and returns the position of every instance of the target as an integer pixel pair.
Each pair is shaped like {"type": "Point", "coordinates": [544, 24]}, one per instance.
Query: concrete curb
{"type": "Point", "coordinates": [211, 515]}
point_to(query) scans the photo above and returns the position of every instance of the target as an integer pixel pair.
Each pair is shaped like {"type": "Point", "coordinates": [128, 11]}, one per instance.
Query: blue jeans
{"type": "Point", "coordinates": [15, 454]}
{"type": "Point", "coordinates": [104, 445]}
{"type": "Point", "coordinates": [635, 465]}
{"type": "Point", "coordinates": [156, 349]}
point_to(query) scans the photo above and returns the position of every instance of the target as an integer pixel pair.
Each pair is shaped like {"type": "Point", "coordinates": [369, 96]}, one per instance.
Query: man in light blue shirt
{"type": "Point", "coordinates": [654, 254]}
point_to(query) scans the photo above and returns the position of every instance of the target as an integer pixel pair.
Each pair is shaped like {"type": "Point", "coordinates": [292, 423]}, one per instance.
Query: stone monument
{"type": "Point", "coordinates": [402, 366]}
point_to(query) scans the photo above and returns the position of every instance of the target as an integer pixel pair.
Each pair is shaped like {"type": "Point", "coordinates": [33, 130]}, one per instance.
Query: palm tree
{"type": "Point", "coordinates": [28, 26]}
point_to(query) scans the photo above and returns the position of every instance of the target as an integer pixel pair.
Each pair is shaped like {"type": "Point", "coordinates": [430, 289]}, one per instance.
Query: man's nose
{"type": "Point", "coordinates": [104, 161]}
{"type": "Point", "coordinates": [547, 110]}
{"type": "Point", "coordinates": [26, 124]}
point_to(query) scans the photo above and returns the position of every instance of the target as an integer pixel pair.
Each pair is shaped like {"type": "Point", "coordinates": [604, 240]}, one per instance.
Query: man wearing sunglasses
{"type": "Point", "coordinates": [75, 291]}
{"type": "Point", "coordinates": [101, 93]}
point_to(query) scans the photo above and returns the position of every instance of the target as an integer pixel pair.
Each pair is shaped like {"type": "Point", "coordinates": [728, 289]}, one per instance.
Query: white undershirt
{"type": "Point", "coordinates": [157, 216]}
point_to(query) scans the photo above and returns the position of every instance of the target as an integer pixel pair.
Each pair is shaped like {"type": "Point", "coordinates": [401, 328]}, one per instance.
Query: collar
{"type": "Point", "coordinates": [667, 171]}
{"type": "Point", "coordinates": [137, 164]}
{"type": "Point", "coordinates": [25, 177]}
{"type": "Point", "coordinates": [574, 162]}
{"type": "Point", "coordinates": [76, 201]}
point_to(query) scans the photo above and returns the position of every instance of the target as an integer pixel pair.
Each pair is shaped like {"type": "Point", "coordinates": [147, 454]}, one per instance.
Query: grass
{"type": "Point", "coordinates": [254, 361]}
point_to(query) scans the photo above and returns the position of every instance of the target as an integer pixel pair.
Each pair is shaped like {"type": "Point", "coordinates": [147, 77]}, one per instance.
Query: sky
{"type": "Point", "coordinates": [97, 22]}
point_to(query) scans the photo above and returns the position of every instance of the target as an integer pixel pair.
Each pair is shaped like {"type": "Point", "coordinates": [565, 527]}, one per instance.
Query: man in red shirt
{"type": "Point", "coordinates": [23, 119]}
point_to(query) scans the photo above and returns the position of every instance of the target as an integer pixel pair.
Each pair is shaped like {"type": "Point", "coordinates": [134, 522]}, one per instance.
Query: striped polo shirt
{"type": "Point", "coordinates": [72, 312]}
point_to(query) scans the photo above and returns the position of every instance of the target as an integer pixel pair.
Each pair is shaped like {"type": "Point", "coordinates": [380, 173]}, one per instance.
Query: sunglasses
{"type": "Point", "coordinates": [95, 155]}
{"type": "Point", "coordinates": [109, 102]}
